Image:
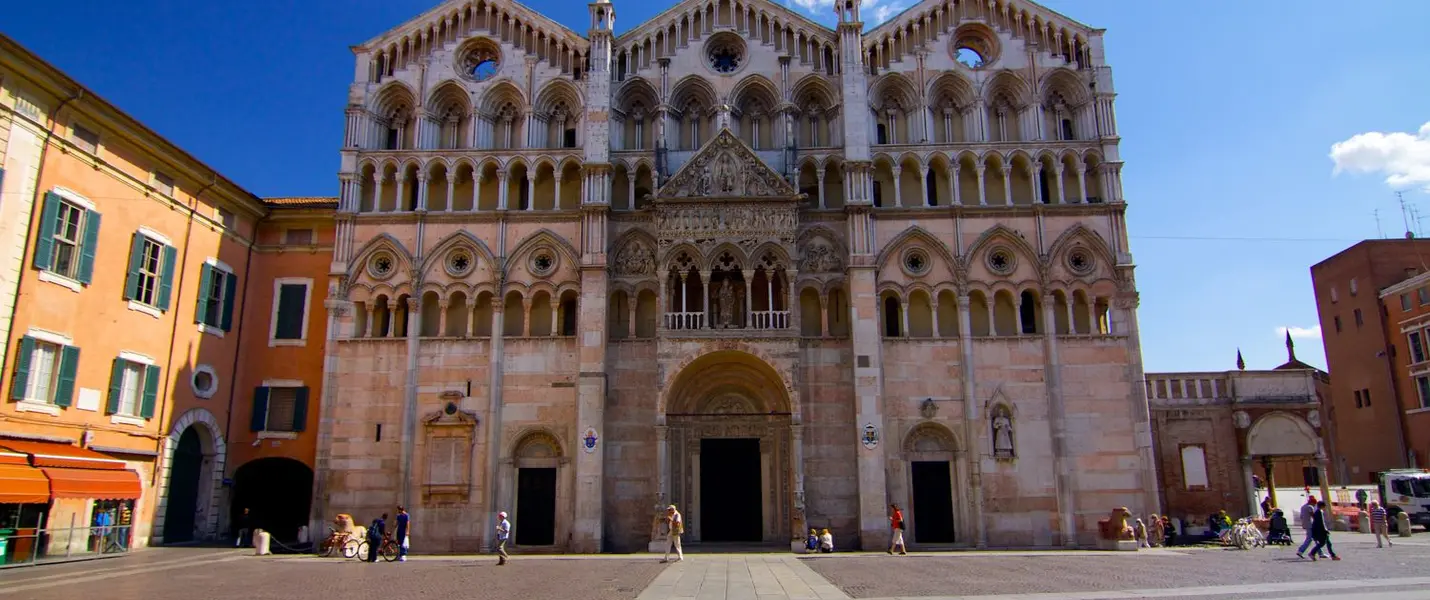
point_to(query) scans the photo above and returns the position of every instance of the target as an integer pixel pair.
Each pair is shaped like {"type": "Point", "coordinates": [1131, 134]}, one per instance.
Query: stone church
{"type": "Point", "coordinates": [779, 275]}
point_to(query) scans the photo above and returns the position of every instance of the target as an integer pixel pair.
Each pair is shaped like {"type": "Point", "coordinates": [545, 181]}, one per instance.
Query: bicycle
{"type": "Point", "coordinates": [337, 540]}
{"type": "Point", "coordinates": [387, 549]}
{"type": "Point", "coordinates": [1244, 535]}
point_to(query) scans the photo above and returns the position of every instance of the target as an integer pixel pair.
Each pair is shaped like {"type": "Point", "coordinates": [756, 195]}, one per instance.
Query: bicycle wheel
{"type": "Point", "coordinates": [354, 549]}
{"type": "Point", "coordinates": [389, 551]}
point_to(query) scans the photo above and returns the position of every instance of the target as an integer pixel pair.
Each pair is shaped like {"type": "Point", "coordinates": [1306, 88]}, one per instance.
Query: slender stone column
{"type": "Point", "coordinates": [749, 298]}
{"type": "Point", "coordinates": [1249, 483]}
{"type": "Point", "coordinates": [1063, 463]}
{"type": "Point", "coordinates": [981, 169]}
{"type": "Point", "coordinates": [494, 423]}
{"type": "Point", "coordinates": [409, 401]}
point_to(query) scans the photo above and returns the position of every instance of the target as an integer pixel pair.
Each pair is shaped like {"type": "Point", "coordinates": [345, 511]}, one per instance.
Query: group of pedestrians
{"type": "Point", "coordinates": [377, 534]}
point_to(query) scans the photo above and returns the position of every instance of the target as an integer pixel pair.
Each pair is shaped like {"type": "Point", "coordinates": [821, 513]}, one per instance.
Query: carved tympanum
{"type": "Point", "coordinates": [726, 168]}
{"type": "Point", "coordinates": [635, 259]}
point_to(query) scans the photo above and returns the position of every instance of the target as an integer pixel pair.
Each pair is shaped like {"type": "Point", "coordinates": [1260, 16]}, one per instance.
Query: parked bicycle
{"type": "Point", "coordinates": [387, 549]}
{"type": "Point", "coordinates": [335, 540]}
{"type": "Point", "coordinates": [1243, 534]}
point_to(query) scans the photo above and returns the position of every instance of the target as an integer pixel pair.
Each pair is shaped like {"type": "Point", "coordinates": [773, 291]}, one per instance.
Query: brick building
{"type": "Point", "coordinates": [1366, 352]}
{"type": "Point", "coordinates": [1407, 310]}
{"type": "Point", "coordinates": [137, 291]}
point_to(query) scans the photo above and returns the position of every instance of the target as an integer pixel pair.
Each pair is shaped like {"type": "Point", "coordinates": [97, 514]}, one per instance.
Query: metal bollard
{"type": "Point", "coordinates": [1363, 521]}
{"type": "Point", "coordinates": [1402, 522]}
{"type": "Point", "coordinates": [260, 542]}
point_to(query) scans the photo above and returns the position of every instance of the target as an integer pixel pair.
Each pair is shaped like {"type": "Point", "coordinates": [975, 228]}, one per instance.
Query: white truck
{"type": "Point", "coordinates": [1408, 491]}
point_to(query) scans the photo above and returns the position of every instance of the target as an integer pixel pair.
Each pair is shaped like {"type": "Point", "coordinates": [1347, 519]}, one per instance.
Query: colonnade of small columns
{"type": "Point", "coordinates": [921, 314]}
{"type": "Point", "coordinates": [463, 187]}
{"type": "Point", "coordinates": [458, 315]}
{"type": "Point", "coordinates": [690, 298]}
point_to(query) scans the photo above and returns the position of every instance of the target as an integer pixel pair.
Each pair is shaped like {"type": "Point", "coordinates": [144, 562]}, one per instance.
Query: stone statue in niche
{"type": "Point", "coordinates": [725, 174]}
{"type": "Point", "coordinates": [727, 305]}
{"type": "Point", "coordinates": [1003, 432]}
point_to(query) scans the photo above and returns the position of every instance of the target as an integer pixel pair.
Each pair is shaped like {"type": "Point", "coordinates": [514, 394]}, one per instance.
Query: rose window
{"type": "Point", "coordinates": [459, 262]}
{"type": "Point", "coordinates": [1080, 261]}
{"type": "Point", "coordinates": [1001, 261]}
{"type": "Point", "coordinates": [543, 263]}
{"type": "Point", "coordinates": [725, 53]}
{"type": "Point", "coordinates": [916, 262]}
{"type": "Point", "coordinates": [381, 265]}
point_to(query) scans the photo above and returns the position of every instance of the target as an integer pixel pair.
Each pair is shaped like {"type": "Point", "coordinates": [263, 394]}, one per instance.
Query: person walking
{"type": "Point", "coordinates": [402, 531]}
{"type": "Point", "coordinates": [242, 528]}
{"type": "Point", "coordinates": [375, 534]}
{"type": "Point", "coordinates": [675, 524]}
{"type": "Point", "coordinates": [1322, 533]}
{"type": "Point", "coordinates": [503, 533]}
{"type": "Point", "coordinates": [1380, 524]}
{"type": "Point", "coordinates": [1304, 519]}
{"type": "Point", "coordinates": [896, 521]}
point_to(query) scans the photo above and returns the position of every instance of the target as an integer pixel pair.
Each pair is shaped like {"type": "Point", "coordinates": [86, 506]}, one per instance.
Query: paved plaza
{"type": "Point", "coordinates": [1196, 573]}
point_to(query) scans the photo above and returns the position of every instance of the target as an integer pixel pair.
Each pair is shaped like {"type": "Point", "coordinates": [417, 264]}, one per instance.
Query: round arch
{"type": "Point", "coordinates": [1282, 434]}
{"type": "Point", "coordinates": [707, 378]}
{"type": "Point", "coordinates": [193, 490]}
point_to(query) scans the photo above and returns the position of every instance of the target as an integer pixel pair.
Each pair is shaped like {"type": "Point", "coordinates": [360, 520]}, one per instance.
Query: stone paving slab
{"type": "Point", "coordinates": [740, 577]}
{"type": "Point", "coordinates": [1339, 589]}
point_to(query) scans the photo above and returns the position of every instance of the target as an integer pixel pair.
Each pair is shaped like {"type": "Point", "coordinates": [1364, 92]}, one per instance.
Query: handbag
{"type": "Point", "coordinates": [406, 542]}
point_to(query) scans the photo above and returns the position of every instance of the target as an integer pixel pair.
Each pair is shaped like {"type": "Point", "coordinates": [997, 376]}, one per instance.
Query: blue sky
{"type": "Point", "coordinates": [1228, 112]}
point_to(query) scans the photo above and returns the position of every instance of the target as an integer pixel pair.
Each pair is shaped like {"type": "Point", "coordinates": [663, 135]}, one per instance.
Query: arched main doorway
{"type": "Point", "coordinates": [185, 471]}
{"type": "Point", "coordinates": [933, 499]}
{"type": "Point", "coordinates": [729, 439]}
{"type": "Point", "coordinates": [277, 493]}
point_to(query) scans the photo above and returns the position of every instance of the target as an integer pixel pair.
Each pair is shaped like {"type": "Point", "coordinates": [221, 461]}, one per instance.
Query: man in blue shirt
{"type": "Point", "coordinates": [402, 519]}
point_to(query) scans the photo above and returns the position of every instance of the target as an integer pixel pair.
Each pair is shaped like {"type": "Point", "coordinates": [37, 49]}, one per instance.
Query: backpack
{"type": "Point", "coordinates": [374, 531]}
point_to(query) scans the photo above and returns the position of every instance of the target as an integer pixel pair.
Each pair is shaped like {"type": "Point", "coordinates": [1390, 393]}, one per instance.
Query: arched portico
{"type": "Point", "coordinates": [1277, 436]}
{"type": "Point", "coordinates": [729, 450]}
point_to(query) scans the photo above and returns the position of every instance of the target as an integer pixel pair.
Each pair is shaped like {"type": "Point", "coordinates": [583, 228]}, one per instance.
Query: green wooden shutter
{"type": "Point", "coordinates": [22, 369]}
{"type": "Point", "coordinates": [206, 277]}
{"type": "Point", "coordinates": [45, 242]}
{"type": "Point", "coordinates": [259, 419]}
{"type": "Point", "coordinates": [136, 260]}
{"type": "Point", "coordinates": [88, 246]}
{"type": "Point", "coordinates": [166, 277]}
{"type": "Point", "coordinates": [151, 391]}
{"type": "Point", "coordinates": [116, 386]}
{"type": "Point", "coordinates": [69, 364]}
{"type": "Point", "coordinates": [230, 289]}
{"type": "Point", "coordinates": [300, 409]}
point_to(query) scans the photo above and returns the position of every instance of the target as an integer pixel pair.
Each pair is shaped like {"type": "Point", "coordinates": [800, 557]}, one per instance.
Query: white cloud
{"type": "Point", "coordinates": [1300, 332]}
{"type": "Point", "coordinates": [1403, 157]}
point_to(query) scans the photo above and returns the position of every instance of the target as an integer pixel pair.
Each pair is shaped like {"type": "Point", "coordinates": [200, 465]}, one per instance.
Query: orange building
{"type": "Point", "coordinates": [1365, 327]}
{"type": "Point", "coordinates": [147, 301]}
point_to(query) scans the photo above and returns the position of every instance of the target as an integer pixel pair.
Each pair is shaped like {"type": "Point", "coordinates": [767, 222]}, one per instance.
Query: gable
{"type": "Point", "coordinates": [778, 16]}
{"type": "Point", "coordinates": [1028, 11]}
{"type": "Point", "coordinates": [726, 168]}
{"type": "Point", "coordinates": [456, 20]}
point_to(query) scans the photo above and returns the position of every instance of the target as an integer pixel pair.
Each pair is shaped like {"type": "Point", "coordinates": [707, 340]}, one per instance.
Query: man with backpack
{"type": "Point", "coordinates": [375, 533]}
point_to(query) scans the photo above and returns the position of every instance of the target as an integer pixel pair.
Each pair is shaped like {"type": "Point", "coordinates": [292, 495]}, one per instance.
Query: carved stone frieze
{"type": "Point", "coordinates": [635, 259]}
{"type": "Point", "coordinates": [749, 222]}
{"type": "Point", "coordinates": [820, 257]}
{"type": "Point", "coordinates": [726, 168]}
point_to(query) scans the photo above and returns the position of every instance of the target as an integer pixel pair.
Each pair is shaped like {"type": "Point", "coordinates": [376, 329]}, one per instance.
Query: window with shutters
{"type": "Point", "coordinates": [218, 287]}
{"type": "Point", "coordinates": [279, 409]}
{"type": "Point", "coordinates": [133, 389]}
{"type": "Point", "coordinates": [290, 311]}
{"type": "Point", "coordinates": [164, 183]}
{"type": "Point", "coordinates": [45, 368]}
{"type": "Point", "coordinates": [67, 240]}
{"type": "Point", "coordinates": [84, 139]}
{"type": "Point", "coordinates": [151, 272]}
{"type": "Point", "coordinates": [298, 237]}
{"type": "Point", "coordinates": [1417, 348]}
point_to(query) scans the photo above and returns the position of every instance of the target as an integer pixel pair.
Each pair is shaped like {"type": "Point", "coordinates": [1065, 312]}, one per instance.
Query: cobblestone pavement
{"type": "Point", "coordinates": [241, 577]}
{"type": "Point", "coordinates": [1061, 574]}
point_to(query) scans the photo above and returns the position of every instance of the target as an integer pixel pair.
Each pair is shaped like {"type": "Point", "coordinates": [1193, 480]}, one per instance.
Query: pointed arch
{"type": "Point", "coordinates": [449, 98]}
{"type": "Point", "coordinates": [382, 241]}
{"type": "Point", "coordinates": [1007, 86]}
{"type": "Point", "coordinates": [917, 234]}
{"type": "Point", "coordinates": [500, 96]}
{"type": "Point", "coordinates": [951, 87]}
{"type": "Point", "coordinates": [755, 88]}
{"type": "Point", "coordinates": [812, 89]}
{"type": "Point", "coordinates": [1081, 235]}
{"type": "Point", "coordinates": [545, 237]}
{"type": "Point", "coordinates": [393, 98]}
{"type": "Point", "coordinates": [555, 93]}
{"type": "Point", "coordinates": [1066, 83]}
{"type": "Point", "coordinates": [693, 89]}
{"type": "Point", "coordinates": [893, 91]}
{"type": "Point", "coordinates": [636, 90]}
{"type": "Point", "coordinates": [461, 238]}
{"type": "Point", "coordinates": [1008, 235]}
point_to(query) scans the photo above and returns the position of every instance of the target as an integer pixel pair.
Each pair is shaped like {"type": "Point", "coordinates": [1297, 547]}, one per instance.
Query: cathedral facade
{"type": "Point", "coordinates": [779, 275]}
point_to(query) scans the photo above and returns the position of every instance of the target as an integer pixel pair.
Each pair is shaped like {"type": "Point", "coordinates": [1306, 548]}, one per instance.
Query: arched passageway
{"type": "Point", "coordinates": [277, 492]}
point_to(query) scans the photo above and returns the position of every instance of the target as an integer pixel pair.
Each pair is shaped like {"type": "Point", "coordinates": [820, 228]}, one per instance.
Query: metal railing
{"type": "Point", "coordinates": [24, 546]}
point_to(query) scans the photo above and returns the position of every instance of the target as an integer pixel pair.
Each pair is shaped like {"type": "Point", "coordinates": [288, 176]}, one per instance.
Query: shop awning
{"type": "Point", "coordinates": [13, 458]}
{"type": "Point", "coordinates": [47, 454]}
{"type": "Point", "coordinates": [95, 484]}
{"type": "Point", "coordinates": [23, 484]}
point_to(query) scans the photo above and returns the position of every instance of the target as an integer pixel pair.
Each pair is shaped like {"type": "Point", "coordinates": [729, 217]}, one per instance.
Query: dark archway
{"type": "Point", "coordinates": [183, 496]}
{"type": "Point", "coordinates": [277, 492]}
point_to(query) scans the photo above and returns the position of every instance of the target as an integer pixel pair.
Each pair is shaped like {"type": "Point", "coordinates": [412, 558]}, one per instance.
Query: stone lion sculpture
{"type": "Point", "coordinates": [1115, 526]}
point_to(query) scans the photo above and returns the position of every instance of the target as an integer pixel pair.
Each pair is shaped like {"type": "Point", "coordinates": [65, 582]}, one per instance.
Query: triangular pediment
{"type": "Point", "coordinates": [725, 168]}
{"type": "Point", "coordinates": [433, 20]}
{"type": "Point", "coordinates": [1028, 10]}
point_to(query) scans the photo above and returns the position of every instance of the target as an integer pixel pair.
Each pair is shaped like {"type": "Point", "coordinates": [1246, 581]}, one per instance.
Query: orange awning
{"type": "Point", "coordinates": [49, 454]}
{"type": "Point", "coordinates": [13, 458]}
{"type": "Point", "coordinates": [94, 484]}
{"type": "Point", "coordinates": [23, 484]}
